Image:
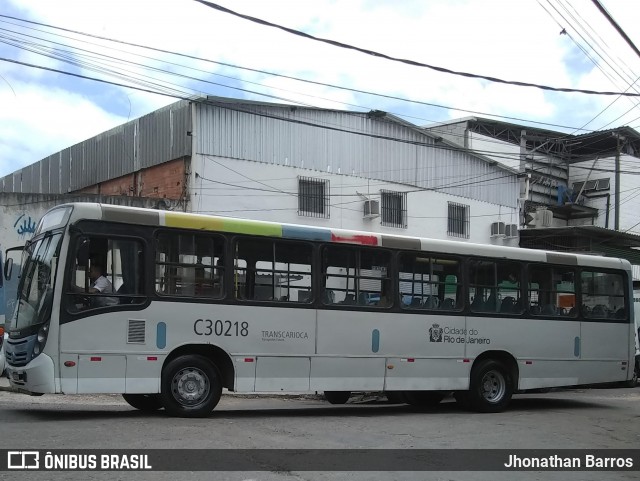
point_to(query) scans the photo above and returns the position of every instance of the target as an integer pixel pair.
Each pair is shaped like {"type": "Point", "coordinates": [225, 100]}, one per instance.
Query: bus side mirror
{"type": "Point", "coordinates": [8, 268]}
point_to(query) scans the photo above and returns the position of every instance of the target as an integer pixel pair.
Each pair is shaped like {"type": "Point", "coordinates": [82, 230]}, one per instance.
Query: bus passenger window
{"type": "Point", "coordinates": [428, 282]}
{"type": "Point", "coordinates": [189, 265]}
{"type": "Point", "coordinates": [275, 271]}
{"type": "Point", "coordinates": [495, 286]}
{"type": "Point", "coordinates": [356, 277]}
{"type": "Point", "coordinates": [551, 291]}
{"type": "Point", "coordinates": [603, 295]}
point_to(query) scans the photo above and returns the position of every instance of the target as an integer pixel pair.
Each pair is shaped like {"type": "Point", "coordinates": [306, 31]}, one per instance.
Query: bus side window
{"type": "Point", "coordinates": [551, 291]}
{"type": "Point", "coordinates": [189, 265]}
{"type": "Point", "coordinates": [275, 271]}
{"type": "Point", "coordinates": [107, 272]}
{"type": "Point", "coordinates": [357, 277]}
{"type": "Point", "coordinates": [603, 295]}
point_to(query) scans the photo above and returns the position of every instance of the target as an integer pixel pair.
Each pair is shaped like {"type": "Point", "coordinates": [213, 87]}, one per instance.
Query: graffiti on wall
{"type": "Point", "coordinates": [24, 225]}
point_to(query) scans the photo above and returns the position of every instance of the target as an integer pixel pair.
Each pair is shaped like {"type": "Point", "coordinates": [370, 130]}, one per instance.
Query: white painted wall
{"type": "Point", "coordinates": [500, 151]}
{"type": "Point", "coordinates": [262, 191]}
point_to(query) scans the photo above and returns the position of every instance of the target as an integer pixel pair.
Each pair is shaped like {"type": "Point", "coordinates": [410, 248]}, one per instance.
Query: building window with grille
{"type": "Point", "coordinates": [394, 208]}
{"type": "Point", "coordinates": [458, 220]}
{"type": "Point", "coordinates": [313, 197]}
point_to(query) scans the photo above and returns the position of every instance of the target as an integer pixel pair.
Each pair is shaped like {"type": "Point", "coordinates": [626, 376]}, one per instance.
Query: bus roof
{"type": "Point", "coordinates": [183, 220]}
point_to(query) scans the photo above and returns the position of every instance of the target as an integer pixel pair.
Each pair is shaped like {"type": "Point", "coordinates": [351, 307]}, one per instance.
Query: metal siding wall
{"type": "Point", "coordinates": [101, 158]}
{"type": "Point", "coordinates": [155, 138]}
{"type": "Point", "coordinates": [111, 154]}
{"type": "Point", "coordinates": [90, 162]}
{"type": "Point", "coordinates": [17, 181]}
{"type": "Point", "coordinates": [45, 175]}
{"type": "Point", "coordinates": [240, 135]}
{"type": "Point", "coordinates": [28, 177]}
{"type": "Point", "coordinates": [180, 125]}
{"type": "Point", "coordinates": [54, 174]}
{"type": "Point", "coordinates": [130, 162]}
{"type": "Point", "coordinates": [77, 161]}
{"type": "Point", "coordinates": [65, 171]}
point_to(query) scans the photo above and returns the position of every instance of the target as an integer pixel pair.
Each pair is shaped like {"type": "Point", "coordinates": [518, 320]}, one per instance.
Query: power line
{"type": "Point", "coordinates": [406, 61]}
{"type": "Point", "coordinates": [615, 25]}
{"type": "Point", "coordinates": [265, 72]}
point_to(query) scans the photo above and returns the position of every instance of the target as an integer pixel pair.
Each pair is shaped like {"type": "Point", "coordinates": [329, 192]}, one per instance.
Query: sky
{"type": "Point", "coordinates": [42, 112]}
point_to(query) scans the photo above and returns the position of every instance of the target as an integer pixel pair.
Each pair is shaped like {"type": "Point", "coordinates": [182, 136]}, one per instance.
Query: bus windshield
{"type": "Point", "coordinates": [38, 276]}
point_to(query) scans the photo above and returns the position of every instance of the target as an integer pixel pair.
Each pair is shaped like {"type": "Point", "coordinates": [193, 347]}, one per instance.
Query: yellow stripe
{"type": "Point", "coordinates": [190, 221]}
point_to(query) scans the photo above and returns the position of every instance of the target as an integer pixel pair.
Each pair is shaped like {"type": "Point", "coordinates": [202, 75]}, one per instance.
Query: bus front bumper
{"type": "Point", "coordinates": [36, 377]}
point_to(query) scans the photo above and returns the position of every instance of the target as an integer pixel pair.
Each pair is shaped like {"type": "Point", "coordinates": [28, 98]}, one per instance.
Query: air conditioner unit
{"type": "Point", "coordinates": [371, 209]}
{"type": "Point", "coordinates": [497, 229]}
{"type": "Point", "coordinates": [511, 230]}
{"type": "Point", "coordinates": [544, 218]}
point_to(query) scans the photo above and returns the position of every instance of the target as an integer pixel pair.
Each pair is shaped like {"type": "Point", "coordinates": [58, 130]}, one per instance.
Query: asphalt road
{"type": "Point", "coordinates": [590, 418]}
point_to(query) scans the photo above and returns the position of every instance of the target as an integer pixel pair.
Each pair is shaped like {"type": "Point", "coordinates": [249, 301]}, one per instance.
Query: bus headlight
{"type": "Point", "coordinates": [42, 334]}
{"type": "Point", "coordinates": [40, 340]}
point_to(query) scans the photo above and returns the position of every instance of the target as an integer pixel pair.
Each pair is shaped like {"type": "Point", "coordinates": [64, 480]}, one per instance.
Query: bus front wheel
{"type": "Point", "coordinates": [337, 397]}
{"type": "Point", "coordinates": [490, 389]}
{"type": "Point", "coordinates": [144, 402]}
{"type": "Point", "coordinates": [191, 386]}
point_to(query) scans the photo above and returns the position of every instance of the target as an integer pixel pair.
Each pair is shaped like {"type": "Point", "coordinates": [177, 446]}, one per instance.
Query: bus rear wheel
{"type": "Point", "coordinates": [144, 402]}
{"type": "Point", "coordinates": [191, 386]}
{"type": "Point", "coordinates": [490, 389]}
{"type": "Point", "coordinates": [337, 397]}
{"type": "Point", "coordinates": [424, 398]}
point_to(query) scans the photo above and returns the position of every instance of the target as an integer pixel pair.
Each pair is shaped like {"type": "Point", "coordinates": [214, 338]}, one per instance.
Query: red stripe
{"type": "Point", "coordinates": [152, 358]}
{"type": "Point", "coordinates": [95, 359]}
{"type": "Point", "coordinates": [368, 240]}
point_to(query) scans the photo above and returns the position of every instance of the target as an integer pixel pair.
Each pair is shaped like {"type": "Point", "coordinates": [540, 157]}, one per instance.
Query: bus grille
{"type": "Point", "coordinates": [136, 333]}
{"type": "Point", "coordinates": [16, 358]}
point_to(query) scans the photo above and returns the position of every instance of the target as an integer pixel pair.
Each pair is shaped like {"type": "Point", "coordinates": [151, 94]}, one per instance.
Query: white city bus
{"type": "Point", "coordinates": [200, 303]}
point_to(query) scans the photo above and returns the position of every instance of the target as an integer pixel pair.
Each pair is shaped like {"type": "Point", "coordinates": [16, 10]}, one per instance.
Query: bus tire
{"type": "Point", "coordinates": [191, 386]}
{"type": "Point", "coordinates": [424, 398]}
{"type": "Point", "coordinates": [490, 389]}
{"type": "Point", "coordinates": [144, 402]}
{"type": "Point", "coordinates": [337, 397]}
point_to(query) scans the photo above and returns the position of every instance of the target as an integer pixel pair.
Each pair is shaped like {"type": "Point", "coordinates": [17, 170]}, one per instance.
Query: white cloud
{"type": "Point", "coordinates": [501, 38]}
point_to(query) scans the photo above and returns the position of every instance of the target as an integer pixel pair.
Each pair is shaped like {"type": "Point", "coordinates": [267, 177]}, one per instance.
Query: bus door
{"type": "Point", "coordinates": [606, 319]}
{"type": "Point", "coordinates": [426, 344]}
{"type": "Point", "coordinates": [355, 323]}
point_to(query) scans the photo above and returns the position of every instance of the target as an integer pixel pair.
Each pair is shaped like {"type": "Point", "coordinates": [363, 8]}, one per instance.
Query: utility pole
{"type": "Point", "coordinates": [617, 189]}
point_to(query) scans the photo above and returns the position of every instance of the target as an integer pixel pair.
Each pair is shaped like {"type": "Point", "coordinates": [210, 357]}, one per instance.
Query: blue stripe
{"type": "Point", "coordinates": [161, 335]}
{"type": "Point", "coordinates": [375, 340]}
{"type": "Point", "coordinates": [306, 233]}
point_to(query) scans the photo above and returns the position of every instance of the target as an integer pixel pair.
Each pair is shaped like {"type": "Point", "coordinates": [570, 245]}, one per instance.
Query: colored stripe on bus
{"type": "Point", "coordinates": [161, 335]}
{"type": "Point", "coordinates": [306, 233]}
{"type": "Point", "coordinates": [401, 243]}
{"type": "Point", "coordinates": [375, 340]}
{"type": "Point", "coordinates": [237, 226]}
{"type": "Point", "coordinates": [130, 216]}
{"type": "Point", "coordinates": [368, 240]}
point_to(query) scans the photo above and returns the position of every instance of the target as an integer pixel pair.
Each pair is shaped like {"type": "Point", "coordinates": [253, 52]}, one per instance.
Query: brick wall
{"type": "Point", "coordinates": [164, 180]}
{"type": "Point", "coordinates": [160, 181]}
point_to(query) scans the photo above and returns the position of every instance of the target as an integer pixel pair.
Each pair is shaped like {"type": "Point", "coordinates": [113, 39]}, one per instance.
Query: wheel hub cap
{"type": "Point", "coordinates": [494, 386]}
{"type": "Point", "coordinates": [190, 386]}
